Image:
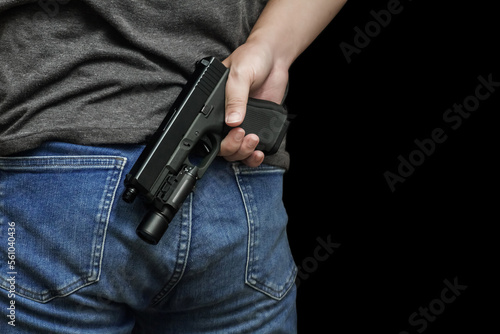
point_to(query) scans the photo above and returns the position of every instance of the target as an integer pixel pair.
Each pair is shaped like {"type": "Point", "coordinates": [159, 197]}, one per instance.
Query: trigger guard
{"type": "Point", "coordinates": [212, 144]}
{"type": "Point", "coordinates": [203, 147]}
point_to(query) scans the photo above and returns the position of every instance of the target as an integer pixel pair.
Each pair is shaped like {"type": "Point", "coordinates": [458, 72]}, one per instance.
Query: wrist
{"type": "Point", "coordinates": [281, 55]}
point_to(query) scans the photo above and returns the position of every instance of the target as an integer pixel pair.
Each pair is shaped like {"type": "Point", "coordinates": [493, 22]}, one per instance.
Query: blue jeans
{"type": "Point", "coordinates": [70, 261]}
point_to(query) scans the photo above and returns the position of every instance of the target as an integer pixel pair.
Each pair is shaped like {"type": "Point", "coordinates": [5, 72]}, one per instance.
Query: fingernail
{"type": "Point", "coordinates": [239, 135]}
{"type": "Point", "coordinates": [254, 142]}
{"type": "Point", "coordinates": [233, 118]}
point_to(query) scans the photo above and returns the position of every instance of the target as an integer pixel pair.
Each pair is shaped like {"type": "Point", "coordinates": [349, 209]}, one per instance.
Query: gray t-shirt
{"type": "Point", "coordinates": [106, 72]}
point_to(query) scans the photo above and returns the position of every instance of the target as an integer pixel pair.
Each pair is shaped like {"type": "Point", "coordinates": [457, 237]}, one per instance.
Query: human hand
{"type": "Point", "coordinates": [253, 72]}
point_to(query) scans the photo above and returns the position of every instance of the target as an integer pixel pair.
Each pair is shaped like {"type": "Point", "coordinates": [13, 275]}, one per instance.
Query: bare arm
{"type": "Point", "coordinates": [259, 68]}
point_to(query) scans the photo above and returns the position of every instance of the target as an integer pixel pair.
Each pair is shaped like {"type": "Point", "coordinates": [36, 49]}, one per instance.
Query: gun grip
{"type": "Point", "coordinates": [269, 121]}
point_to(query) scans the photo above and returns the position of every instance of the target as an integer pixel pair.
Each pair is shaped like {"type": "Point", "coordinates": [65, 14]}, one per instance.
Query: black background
{"type": "Point", "coordinates": [354, 120]}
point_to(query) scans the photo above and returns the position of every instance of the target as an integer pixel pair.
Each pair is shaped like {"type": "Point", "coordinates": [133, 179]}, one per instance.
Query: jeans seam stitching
{"type": "Point", "coordinates": [113, 187]}
{"type": "Point", "coordinates": [181, 263]}
{"type": "Point", "coordinates": [71, 162]}
{"type": "Point", "coordinates": [250, 243]}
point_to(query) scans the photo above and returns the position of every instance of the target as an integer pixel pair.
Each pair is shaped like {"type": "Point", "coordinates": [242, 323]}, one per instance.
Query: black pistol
{"type": "Point", "coordinates": [164, 174]}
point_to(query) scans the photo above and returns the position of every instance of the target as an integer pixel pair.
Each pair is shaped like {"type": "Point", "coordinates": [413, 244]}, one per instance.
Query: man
{"type": "Point", "coordinates": [82, 86]}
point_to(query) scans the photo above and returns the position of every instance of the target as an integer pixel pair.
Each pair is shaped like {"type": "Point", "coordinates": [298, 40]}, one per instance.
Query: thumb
{"type": "Point", "coordinates": [237, 90]}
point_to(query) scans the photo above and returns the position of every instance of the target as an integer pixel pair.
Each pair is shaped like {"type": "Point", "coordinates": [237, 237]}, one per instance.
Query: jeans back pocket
{"type": "Point", "coordinates": [54, 212]}
{"type": "Point", "coordinates": [270, 265]}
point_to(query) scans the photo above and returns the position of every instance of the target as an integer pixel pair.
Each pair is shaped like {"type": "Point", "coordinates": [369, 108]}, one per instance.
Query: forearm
{"type": "Point", "coordinates": [288, 27]}
{"type": "Point", "coordinates": [260, 66]}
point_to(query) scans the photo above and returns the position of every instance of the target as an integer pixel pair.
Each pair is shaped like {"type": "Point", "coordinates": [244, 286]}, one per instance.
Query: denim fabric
{"type": "Point", "coordinates": [223, 266]}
